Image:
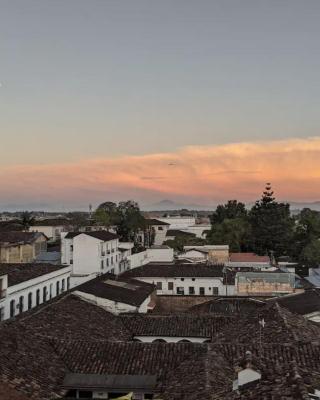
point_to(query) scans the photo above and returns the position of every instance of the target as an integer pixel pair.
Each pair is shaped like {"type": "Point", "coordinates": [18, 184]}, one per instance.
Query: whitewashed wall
{"type": "Point", "coordinates": [31, 286]}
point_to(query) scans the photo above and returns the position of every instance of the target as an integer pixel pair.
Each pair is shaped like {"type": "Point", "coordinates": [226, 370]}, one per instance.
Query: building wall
{"type": "Point", "coordinates": [160, 234]}
{"type": "Point", "coordinates": [113, 306]}
{"type": "Point", "coordinates": [24, 288]}
{"type": "Point", "coordinates": [52, 232]}
{"type": "Point", "coordinates": [90, 255]}
{"type": "Point", "coordinates": [160, 255]}
{"type": "Point", "coordinates": [179, 222]}
{"type": "Point", "coordinates": [172, 304]}
{"type": "Point", "coordinates": [23, 253]}
{"type": "Point", "coordinates": [208, 284]}
{"type": "Point", "coordinates": [170, 339]}
{"type": "Point", "coordinates": [263, 288]}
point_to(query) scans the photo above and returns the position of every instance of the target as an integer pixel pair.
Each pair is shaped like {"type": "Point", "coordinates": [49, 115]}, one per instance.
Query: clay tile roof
{"type": "Point", "coordinates": [128, 291]}
{"type": "Point", "coordinates": [153, 221]}
{"type": "Point", "coordinates": [175, 270]}
{"type": "Point", "coordinates": [301, 303]}
{"type": "Point", "coordinates": [18, 273]}
{"type": "Point", "coordinates": [19, 237]}
{"type": "Point", "coordinates": [101, 235]}
{"type": "Point", "coordinates": [177, 232]}
{"type": "Point", "coordinates": [248, 257]}
{"type": "Point", "coordinates": [228, 306]}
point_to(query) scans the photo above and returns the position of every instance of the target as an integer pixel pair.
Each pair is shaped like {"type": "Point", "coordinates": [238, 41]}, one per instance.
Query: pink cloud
{"type": "Point", "coordinates": [201, 173]}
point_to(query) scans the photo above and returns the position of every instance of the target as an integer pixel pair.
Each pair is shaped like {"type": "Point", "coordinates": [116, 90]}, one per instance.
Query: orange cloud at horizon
{"type": "Point", "coordinates": [201, 173]}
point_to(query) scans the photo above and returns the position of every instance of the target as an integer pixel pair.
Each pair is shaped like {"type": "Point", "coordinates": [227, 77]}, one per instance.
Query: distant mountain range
{"type": "Point", "coordinates": [169, 205]}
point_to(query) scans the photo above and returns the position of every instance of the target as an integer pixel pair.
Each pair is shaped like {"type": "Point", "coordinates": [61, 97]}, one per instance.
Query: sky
{"type": "Point", "coordinates": [194, 101]}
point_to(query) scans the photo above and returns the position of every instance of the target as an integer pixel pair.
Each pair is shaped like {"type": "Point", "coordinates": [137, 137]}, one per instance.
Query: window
{"type": "Point", "coordinates": [68, 283]}
{"type": "Point", "coordinates": [102, 264]}
{"type": "Point", "coordinates": [112, 260]}
{"type": "Point", "coordinates": [71, 247]}
{"type": "Point", "coordinates": [215, 291]}
{"type": "Point", "coordinates": [21, 305]}
{"type": "Point", "coordinates": [160, 228]}
{"type": "Point", "coordinates": [57, 288]}
{"type": "Point", "coordinates": [180, 290]}
{"type": "Point", "coordinates": [84, 394]}
{"type": "Point", "coordinates": [107, 262]}
{"type": "Point", "coordinates": [193, 279]}
{"type": "Point", "coordinates": [12, 308]}
{"type": "Point", "coordinates": [29, 300]}
{"type": "Point", "coordinates": [44, 294]}
{"type": "Point", "coordinates": [50, 290]}
{"type": "Point", "coordinates": [63, 285]}
{"type": "Point", "coordinates": [159, 285]}
{"type": "Point", "coordinates": [191, 290]}
{"type": "Point", "coordinates": [201, 291]}
{"type": "Point", "coordinates": [170, 285]}
{"type": "Point", "coordinates": [38, 297]}
{"type": "Point", "coordinates": [182, 279]}
{"type": "Point", "coordinates": [71, 261]}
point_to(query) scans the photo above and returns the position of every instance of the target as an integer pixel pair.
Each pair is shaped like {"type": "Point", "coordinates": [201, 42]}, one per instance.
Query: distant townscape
{"type": "Point", "coordinates": [119, 303]}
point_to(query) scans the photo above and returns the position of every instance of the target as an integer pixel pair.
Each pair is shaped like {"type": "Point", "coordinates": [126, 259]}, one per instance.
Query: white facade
{"type": "Point", "coordinates": [160, 254]}
{"type": "Point", "coordinates": [29, 294]}
{"type": "Point", "coordinates": [114, 307]}
{"type": "Point", "coordinates": [190, 286]}
{"type": "Point", "coordinates": [171, 339]}
{"type": "Point", "coordinates": [199, 230]}
{"type": "Point", "coordinates": [179, 222]}
{"type": "Point", "coordinates": [194, 255]}
{"type": "Point", "coordinates": [89, 256]}
{"type": "Point", "coordinates": [52, 232]}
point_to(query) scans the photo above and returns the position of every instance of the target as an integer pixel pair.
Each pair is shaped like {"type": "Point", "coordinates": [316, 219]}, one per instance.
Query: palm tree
{"type": "Point", "coordinates": [27, 220]}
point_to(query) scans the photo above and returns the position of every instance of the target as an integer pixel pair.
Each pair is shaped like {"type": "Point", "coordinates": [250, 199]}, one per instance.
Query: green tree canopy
{"type": "Point", "coordinates": [27, 220]}
{"type": "Point", "coordinates": [310, 255]}
{"type": "Point", "coordinates": [271, 225]}
{"type": "Point", "coordinates": [130, 220]}
{"type": "Point", "coordinates": [234, 232]}
{"type": "Point", "coordinates": [231, 210]}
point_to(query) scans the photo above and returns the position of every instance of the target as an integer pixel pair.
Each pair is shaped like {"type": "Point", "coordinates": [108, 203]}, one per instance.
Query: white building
{"type": "Point", "coordinates": [185, 279]}
{"type": "Point", "coordinates": [25, 286]}
{"type": "Point", "coordinates": [178, 222]}
{"type": "Point", "coordinates": [118, 295]}
{"type": "Point", "coordinates": [51, 228]}
{"type": "Point", "coordinates": [250, 260]}
{"type": "Point", "coordinates": [90, 254]}
{"type": "Point", "coordinates": [155, 233]}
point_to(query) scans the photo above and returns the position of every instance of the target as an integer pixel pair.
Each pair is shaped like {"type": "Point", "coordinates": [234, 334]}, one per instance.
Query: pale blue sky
{"type": "Point", "coordinates": [99, 78]}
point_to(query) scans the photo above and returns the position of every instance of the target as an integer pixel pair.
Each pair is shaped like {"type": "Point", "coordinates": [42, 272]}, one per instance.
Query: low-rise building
{"type": "Point", "coordinates": [216, 254]}
{"type": "Point", "coordinates": [25, 286]}
{"type": "Point", "coordinates": [154, 233]}
{"type": "Point", "coordinates": [250, 260]}
{"type": "Point", "coordinates": [21, 247]}
{"type": "Point", "coordinates": [90, 254]}
{"type": "Point", "coordinates": [118, 295]}
{"type": "Point", "coordinates": [185, 279]}
{"type": "Point", "coordinates": [264, 283]}
{"type": "Point", "coordinates": [52, 227]}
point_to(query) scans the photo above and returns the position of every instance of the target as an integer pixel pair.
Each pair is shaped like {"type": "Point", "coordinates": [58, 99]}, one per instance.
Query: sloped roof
{"type": "Point", "coordinates": [176, 270]}
{"type": "Point", "coordinates": [100, 235]}
{"type": "Point", "coordinates": [155, 222]}
{"type": "Point", "coordinates": [18, 273]}
{"type": "Point", "coordinates": [128, 291]}
{"type": "Point", "coordinates": [248, 257]}
{"type": "Point", "coordinates": [301, 303]}
{"type": "Point", "coordinates": [14, 237]}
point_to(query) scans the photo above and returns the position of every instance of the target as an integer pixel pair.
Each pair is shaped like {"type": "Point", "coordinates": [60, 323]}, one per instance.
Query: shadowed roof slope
{"type": "Point", "coordinates": [18, 273]}
{"type": "Point", "coordinates": [128, 291]}
{"type": "Point", "coordinates": [100, 235]}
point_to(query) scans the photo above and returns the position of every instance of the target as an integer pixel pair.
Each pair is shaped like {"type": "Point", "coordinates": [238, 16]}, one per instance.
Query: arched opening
{"type": "Point", "coordinates": [159, 341]}
{"type": "Point", "coordinates": [184, 341]}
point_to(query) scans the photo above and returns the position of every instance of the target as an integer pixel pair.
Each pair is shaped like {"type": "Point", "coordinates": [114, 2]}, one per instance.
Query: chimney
{"type": "Point", "coordinates": [248, 374]}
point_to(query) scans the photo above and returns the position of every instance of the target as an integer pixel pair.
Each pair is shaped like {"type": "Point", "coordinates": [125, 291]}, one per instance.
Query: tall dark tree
{"type": "Point", "coordinates": [106, 214]}
{"type": "Point", "coordinates": [271, 225]}
{"type": "Point", "coordinates": [27, 220]}
{"type": "Point", "coordinates": [231, 210]}
{"type": "Point", "coordinates": [130, 220]}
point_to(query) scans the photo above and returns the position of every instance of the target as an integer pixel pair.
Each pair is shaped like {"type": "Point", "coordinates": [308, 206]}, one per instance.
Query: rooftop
{"type": "Point", "coordinates": [176, 270]}
{"type": "Point", "coordinates": [177, 232]}
{"type": "Point", "coordinates": [155, 222]}
{"type": "Point", "coordinates": [248, 257]}
{"type": "Point", "coordinates": [105, 236]}
{"type": "Point", "coordinates": [18, 273]}
{"type": "Point", "coordinates": [301, 303]}
{"type": "Point", "coordinates": [108, 286]}
{"type": "Point", "coordinates": [14, 237]}
{"type": "Point", "coordinates": [52, 222]}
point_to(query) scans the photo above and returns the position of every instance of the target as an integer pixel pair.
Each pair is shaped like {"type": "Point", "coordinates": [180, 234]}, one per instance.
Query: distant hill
{"type": "Point", "coordinates": [169, 205]}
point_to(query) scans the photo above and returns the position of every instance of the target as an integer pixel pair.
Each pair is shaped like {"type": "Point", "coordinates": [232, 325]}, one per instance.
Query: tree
{"type": "Point", "coordinates": [27, 220]}
{"type": "Point", "coordinates": [271, 225]}
{"type": "Point", "coordinates": [130, 220]}
{"type": "Point", "coordinates": [106, 214]}
{"type": "Point", "coordinates": [234, 232]}
{"type": "Point", "coordinates": [231, 210]}
{"type": "Point", "coordinates": [310, 255]}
